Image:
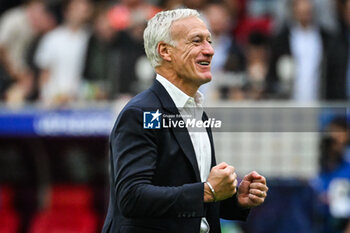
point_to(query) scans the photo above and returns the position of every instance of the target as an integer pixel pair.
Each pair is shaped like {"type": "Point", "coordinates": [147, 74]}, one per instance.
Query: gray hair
{"type": "Point", "coordinates": [159, 29]}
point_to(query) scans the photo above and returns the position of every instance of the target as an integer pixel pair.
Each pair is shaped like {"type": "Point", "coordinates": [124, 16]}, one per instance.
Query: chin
{"type": "Point", "coordinates": [206, 78]}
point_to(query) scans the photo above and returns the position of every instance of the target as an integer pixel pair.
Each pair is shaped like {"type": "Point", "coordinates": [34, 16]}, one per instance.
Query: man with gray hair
{"type": "Point", "coordinates": [165, 178]}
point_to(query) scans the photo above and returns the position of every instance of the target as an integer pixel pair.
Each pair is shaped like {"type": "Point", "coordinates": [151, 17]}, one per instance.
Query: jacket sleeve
{"type": "Point", "coordinates": [230, 210]}
{"type": "Point", "coordinates": [135, 152]}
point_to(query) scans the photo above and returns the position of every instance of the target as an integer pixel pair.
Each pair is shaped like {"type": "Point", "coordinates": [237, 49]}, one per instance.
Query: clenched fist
{"type": "Point", "coordinates": [223, 180]}
{"type": "Point", "coordinates": [252, 191]}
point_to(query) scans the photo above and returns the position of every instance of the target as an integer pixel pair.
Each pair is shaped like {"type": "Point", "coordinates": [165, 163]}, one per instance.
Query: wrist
{"type": "Point", "coordinates": [241, 203]}
{"type": "Point", "coordinates": [209, 193]}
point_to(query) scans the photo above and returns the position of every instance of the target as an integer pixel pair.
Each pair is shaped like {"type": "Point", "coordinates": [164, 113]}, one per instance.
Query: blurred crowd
{"type": "Point", "coordinates": [56, 52]}
{"type": "Point", "coordinates": [332, 185]}
{"type": "Point", "coordinates": [59, 52]}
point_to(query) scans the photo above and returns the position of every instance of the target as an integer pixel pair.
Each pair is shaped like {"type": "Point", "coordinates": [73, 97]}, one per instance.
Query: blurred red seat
{"type": "Point", "coordinates": [70, 210]}
{"type": "Point", "coordinates": [9, 219]}
{"type": "Point", "coordinates": [71, 197]}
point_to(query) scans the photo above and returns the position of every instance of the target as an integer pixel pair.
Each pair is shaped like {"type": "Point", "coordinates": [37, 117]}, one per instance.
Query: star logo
{"type": "Point", "coordinates": [156, 115]}
{"type": "Point", "coordinates": [151, 120]}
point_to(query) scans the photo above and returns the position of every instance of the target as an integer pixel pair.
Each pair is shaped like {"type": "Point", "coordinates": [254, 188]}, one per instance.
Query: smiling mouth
{"type": "Point", "coordinates": [204, 63]}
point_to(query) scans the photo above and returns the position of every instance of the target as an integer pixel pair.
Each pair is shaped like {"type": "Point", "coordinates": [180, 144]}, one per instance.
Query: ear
{"type": "Point", "coordinates": [164, 50]}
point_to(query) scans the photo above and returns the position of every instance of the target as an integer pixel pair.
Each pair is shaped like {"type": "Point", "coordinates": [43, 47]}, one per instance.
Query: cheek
{"type": "Point", "coordinates": [187, 54]}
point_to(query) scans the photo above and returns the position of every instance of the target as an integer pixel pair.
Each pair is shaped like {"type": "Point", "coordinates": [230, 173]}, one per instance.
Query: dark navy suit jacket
{"type": "Point", "coordinates": [155, 181]}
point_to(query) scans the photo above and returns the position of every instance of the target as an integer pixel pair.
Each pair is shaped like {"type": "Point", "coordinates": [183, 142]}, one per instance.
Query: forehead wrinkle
{"type": "Point", "coordinates": [186, 28]}
{"type": "Point", "coordinates": [181, 28]}
{"type": "Point", "coordinates": [200, 34]}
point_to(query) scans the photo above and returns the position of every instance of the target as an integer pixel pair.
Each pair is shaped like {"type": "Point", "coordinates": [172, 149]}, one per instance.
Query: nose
{"type": "Point", "coordinates": [208, 50]}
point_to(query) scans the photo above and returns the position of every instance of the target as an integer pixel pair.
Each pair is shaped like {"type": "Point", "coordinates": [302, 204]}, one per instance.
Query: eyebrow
{"type": "Point", "coordinates": [200, 35]}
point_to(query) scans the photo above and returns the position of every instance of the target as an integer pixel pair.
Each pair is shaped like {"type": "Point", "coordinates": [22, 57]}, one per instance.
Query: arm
{"type": "Point", "coordinates": [7, 35]}
{"type": "Point", "coordinates": [135, 154]}
{"type": "Point", "coordinates": [231, 210]}
{"type": "Point", "coordinates": [5, 61]}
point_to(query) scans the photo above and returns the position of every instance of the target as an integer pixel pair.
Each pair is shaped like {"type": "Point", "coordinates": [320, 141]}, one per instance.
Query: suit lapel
{"type": "Point", "coordinates": [181, 134]}
{"type": "Point", "coordinates": [183, 138]}
{"type": "Point", "coordinates": [210, 134]}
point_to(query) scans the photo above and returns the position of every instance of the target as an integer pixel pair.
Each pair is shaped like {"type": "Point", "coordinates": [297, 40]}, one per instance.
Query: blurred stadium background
{"type": "Point", "coordinates": [281, 86]}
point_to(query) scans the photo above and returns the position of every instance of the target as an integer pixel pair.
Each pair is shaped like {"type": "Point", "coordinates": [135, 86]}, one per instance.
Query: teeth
{"type": "Point", "coordinates": [204, 63]}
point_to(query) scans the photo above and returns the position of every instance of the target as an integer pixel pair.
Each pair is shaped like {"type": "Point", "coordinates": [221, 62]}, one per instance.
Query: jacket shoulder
{"type": "Point", "coordinates": [147, 100]}
{"type": "Point", "coordinates": [144, 101]}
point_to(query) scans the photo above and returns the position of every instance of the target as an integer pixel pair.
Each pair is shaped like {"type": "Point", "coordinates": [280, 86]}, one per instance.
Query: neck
{"type": "Point", "coordinates": [305, 25]}
{"type": "Point", "coordinates": [74, 26]}
{"type": "Point", "coordinates": [188, 88]}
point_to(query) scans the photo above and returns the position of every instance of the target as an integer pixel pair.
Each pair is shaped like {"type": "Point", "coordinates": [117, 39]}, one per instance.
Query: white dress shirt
{"type": "Point", "coordinates": [306, 47]}
{"type": "Point", "coordinates": [62, 52]}
{"type": "Point", "coordinates": [190, 107]}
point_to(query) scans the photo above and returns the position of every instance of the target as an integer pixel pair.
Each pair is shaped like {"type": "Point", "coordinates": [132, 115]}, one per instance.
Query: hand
{"type": "Point", "coordinates": [224, 181]}
{"type": "Point", "coordinates": [252, 191]}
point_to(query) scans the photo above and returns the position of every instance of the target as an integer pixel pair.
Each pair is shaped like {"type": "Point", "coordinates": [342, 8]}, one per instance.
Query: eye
{"type": "Point", "coordinates": [196, 40]}
{"type": "Point", "coordinates": [210, 41]}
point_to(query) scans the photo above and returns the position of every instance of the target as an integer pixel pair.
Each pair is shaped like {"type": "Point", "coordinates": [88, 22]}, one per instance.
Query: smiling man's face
{"type": "Point", "coordinates": [192, 54]}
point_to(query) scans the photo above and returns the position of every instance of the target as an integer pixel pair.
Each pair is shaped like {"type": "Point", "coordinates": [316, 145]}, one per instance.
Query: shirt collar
{"type": "Point", "coordinates": [180, 98]}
